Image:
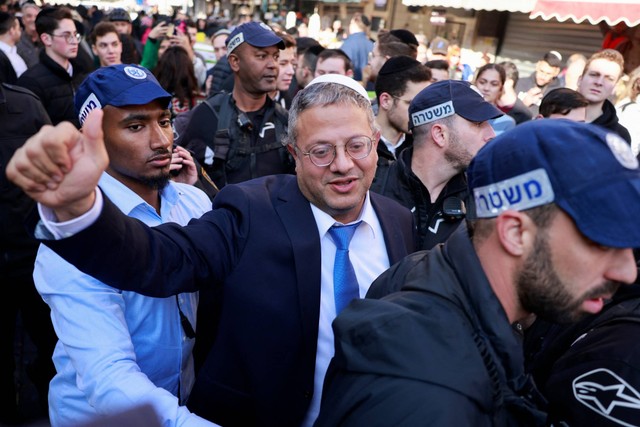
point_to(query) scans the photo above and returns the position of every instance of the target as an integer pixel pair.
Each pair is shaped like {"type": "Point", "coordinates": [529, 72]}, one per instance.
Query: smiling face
{"type": "Point", "coordinates": [340, 188]}
{"type": "Point", "coordinates": [256, 68]}
{"type": "Point", "coordinates": [139, 139]}
{"type": "Point", "coordinates": [29, 14]}
{"type": "Point", "coordinates": [566, 275]}
{"type": "Point", "coordinates": [598, 82]}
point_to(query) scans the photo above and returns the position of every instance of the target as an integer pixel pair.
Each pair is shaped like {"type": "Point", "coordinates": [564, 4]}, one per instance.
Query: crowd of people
{"type": "Point", "coordinates": [282, 230]}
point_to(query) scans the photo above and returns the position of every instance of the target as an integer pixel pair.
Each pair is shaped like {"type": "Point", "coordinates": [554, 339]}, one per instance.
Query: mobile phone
{"type": "Point", "coordinates": [171, 29]}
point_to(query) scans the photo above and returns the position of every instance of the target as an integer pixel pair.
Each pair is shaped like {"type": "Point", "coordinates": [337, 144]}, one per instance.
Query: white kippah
{"type": "Point", "coordinates": [342, 80]}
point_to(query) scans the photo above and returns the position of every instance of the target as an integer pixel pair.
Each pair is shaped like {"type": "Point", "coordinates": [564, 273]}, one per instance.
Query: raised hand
{"type": "Point", "coordinates": [60, 166]}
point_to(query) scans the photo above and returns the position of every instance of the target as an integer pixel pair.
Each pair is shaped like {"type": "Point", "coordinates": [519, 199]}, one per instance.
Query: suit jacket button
{"type": "Point", "coordinates": [308, 394]}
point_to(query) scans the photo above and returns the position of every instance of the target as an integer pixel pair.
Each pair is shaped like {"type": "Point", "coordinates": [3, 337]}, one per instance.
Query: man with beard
{"type": "Point", "coordinates": [274, 251]}
{"type": "Point", "coordinates": [548, 233]}
{"type": "Point", "coordinates": [119, 350]}
{"type": "Point", "coordinates": [237, 136]}
{"type": "Point", "coordinates": [449, 124]}
{"type": "Point", "coordinates": [532, 89]}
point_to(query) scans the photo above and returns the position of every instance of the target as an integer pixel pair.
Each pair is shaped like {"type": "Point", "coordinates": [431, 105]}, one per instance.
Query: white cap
{"type": "Point", "coordinates": [343, 80]}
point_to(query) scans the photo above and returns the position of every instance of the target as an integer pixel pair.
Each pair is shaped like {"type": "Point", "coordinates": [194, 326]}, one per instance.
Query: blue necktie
{"type": "Point", "coordinates": [345, 283]}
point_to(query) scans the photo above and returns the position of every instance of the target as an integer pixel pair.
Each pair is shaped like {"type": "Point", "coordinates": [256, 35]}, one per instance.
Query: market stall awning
{"type": "Point", "coordinates": [524, 6]}
{"type": "Point", "coordinates": [594, 11]}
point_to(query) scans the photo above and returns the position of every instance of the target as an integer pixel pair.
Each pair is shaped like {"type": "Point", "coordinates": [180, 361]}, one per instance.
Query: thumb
{"type": "Point", "coordinates": [93, 136]}
{"type": "Point", "coordinates": [92, 127]}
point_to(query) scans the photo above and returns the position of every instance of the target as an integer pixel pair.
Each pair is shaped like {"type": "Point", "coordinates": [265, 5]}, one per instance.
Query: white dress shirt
{"type": "Point", "coordinates": [368, 254]}
{"type": "Point", "coordinates": [19, 66]}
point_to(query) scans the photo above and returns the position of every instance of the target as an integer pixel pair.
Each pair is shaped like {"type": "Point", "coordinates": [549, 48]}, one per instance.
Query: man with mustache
{"type": "Point", "coordinates": [550, 232]}
{"type": "Point", "coordinates": [273, 250]}
{"type": "Point", "coordinates": [119, 350]}
{"type": "Point", "coordinates": [237, 136]}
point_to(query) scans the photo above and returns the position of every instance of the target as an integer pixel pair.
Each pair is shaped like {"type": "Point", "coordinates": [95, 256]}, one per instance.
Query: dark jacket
{"type": "Point", "coordinates": [259, 246]}
{"type": "Point", "coordinates": [22, 115]}
{"type": "Point", "coordinates": [232, 153]}
{"type": "Point", "coordinates": [433, 223]}
{"type": "Point", "coordinates": [386, 158]}
{"type": "Point", "coordinates": [590, 371]}
{"type": "Point", "coordinates": [609, 120]}
{"type": "Point", "coordinates": [220, 72]}
{"type": "Point", "coordinates": [439, 353]}
{"type": "Point", "coordinates": [55, 88]}
{"type": "Point", "coordinates": [7, 72]}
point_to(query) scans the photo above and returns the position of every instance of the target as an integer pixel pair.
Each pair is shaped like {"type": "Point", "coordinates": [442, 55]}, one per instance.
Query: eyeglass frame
{"type": "Point", "coordinates": [335, 150]}
{"type": "Point", "coordinates": [399, 98]}
{"type": "Point", "coordinates": [69, 37]}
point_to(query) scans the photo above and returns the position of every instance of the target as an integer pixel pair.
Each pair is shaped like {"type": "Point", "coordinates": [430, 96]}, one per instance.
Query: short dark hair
{"type": "Point", "coordinates": [480, 229]}
{"type": "Point", "coordinates": [389, 44]}
{"type": "Point", "coordinates": [310, 57]}
{"type": "Point", "coordinates": [437, 64]}
{"type": "Point", "coordinates": [48, 20]}
{"type": "Point", "coordinates": [304, 43]}
{"type": "Point", "coordinates": [553, 58]}
{"type": "Point", "coordinates": [101, 29]}
{"type": "Point", "coordinates": [336, 53]}
{"type": "Point", "coordinates": [395, 84]}
{"type": "Point", "coordinates": [561, 101]}
{"type": "Point", "coordinates": [7, 21]}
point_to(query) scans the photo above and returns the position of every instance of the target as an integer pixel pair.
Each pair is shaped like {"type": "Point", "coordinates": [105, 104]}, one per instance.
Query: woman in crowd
{"type": "Point", "coordinates": [490, 80]}
{"type": "Point", "coordinates": [175, 74]}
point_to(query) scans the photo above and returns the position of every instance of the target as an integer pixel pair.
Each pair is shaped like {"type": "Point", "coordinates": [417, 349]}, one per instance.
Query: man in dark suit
{"type": "Point", "coordinates": [12, 65]}
{"type": "Point", "coordinates": [266, 248]}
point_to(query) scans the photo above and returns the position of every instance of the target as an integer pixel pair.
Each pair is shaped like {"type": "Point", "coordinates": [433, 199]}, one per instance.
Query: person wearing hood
{"type": "Point", "coordinates": [597, 83]}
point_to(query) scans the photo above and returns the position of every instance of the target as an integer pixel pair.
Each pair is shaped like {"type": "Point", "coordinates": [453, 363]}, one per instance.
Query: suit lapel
{"type": "Point", "coordinates": [298, 221]}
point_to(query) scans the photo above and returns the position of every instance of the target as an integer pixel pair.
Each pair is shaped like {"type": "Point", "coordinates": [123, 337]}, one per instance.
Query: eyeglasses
{"type": "Point", "coordinates": [69, 37]}
{"type": "Point", "coordinates": [372, 55]}
{"type": "Point", "coordinates": [323, 155]}
{"type": "Point", "coordinates": [406, 101]}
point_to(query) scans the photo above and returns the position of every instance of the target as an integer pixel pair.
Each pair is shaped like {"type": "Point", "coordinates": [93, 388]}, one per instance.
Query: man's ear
{"type": "Point", "coordinates": [516, 232]}
{"type": "Point", "coordinates": [386, 101]}
{"type": "Point", "coordinates": [349, 73]}
{"type": "Point", "coordinates": [234, 62]}
{"type": "Point", "coordinates": [440, 134]}
{"type": "Point", "coordinates": [45, 39]}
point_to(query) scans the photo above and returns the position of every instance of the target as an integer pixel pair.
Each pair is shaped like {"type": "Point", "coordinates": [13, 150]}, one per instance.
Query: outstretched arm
{"type": "Point", "coordinates": [60, 166]}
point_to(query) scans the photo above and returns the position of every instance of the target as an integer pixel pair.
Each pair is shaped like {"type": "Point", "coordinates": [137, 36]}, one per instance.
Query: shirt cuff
{"type": "Point", "coordinates": [54, 230]}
